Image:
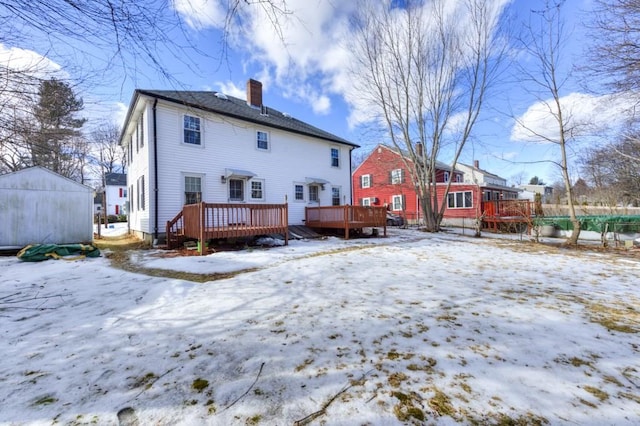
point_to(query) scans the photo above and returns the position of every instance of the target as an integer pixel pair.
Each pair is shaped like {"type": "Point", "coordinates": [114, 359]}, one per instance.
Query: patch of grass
{"type": "Point", "coordinates": [146, 380]}
{"type": "Point", "coordinates": [199, 384]}
{"type": "Point", "coordinates": [406, 410]}
{"type": "Point", "coordinates": [254, 420]}
{"type": "Point", "coordinates": [598, 393]}
{"type": "Point", "coordinates": [441, 404]}
{"type": "Point", "coordinates": [304, 364]}
{"type": "Point", "coordinates": [396, 379]}
{"type": "Point", "coordinates": [45, 400]}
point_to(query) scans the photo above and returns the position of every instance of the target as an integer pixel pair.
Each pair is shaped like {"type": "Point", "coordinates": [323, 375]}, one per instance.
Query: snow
{"type": "Point", "coordinates": [361, 325]}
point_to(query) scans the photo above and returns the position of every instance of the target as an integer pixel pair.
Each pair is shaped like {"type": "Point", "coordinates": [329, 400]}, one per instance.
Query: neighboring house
{"type": "Point", "coordinates": [190, 146]}
{"type": "Point", "coordinates": [492, 186]}
{"type": "Point", "coordinates": [116, 193]}
{"type": "Point", "coordinates": [528, 192]}
{"type": "Point", "coordinates": [384, 178]}
{"type": "Point", "coordinates": [97, 203]}
{"type": "Point", "coordinates": [39, 206]}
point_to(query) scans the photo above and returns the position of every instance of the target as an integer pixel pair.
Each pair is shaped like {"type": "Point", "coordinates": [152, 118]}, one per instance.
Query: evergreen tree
{"type": "Point", "coordinates": [56, 138]}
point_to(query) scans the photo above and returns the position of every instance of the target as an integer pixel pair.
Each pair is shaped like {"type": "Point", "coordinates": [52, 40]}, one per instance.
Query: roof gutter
{"type": "Point", "coordinates": [155, 173]}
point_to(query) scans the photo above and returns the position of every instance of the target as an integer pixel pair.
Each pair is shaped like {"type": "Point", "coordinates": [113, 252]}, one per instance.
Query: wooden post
{"type": "Point", "coordinates": [285, 218]}
{"type": "Point", "coordinates": [346, 222]}
{"type": "Point", "coordinates": [202, 230]}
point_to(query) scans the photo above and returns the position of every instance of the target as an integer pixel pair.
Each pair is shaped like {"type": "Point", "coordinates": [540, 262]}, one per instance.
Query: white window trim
{"type": "Point", "coordinates": [202, 121]}
{"type": "Point", "coordinates": [368, 181]}
{"type": "Point", "coordinates": [244, 190]}
{"type": "Point", "coordinates": [393, 203]}
{"type": "Point", "coordinates": [446, 175]}
{"type": "Point", "coordinates": [396, 178]}
{"type": "Point", "coordinates": [366, 202]}
{"type": "Point", "coordinates": [318, 192]}
{"type": "Point", "coordinates": [339, 188]}
{"type": "Point", "coordinates": [304, 196]}
{"type": "Point", "coordinates": [268, 148]}
{"type": "Point", "coordinates": [183, 189]}
{"type": "Point", "coordinates": [331, 158]}
{"type": "Point", "coordinates": [463, 200]}
{"type": "Point", "coordinates": [250, 185]}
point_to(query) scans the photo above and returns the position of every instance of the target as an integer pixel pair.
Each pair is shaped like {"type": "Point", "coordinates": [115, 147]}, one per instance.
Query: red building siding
{"type": "Point", "coordinates": [379, 166]}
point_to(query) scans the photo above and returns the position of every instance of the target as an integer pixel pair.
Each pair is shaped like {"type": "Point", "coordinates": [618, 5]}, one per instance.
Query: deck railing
{"type": "Point", "coordinates": [205, 221]}
{"type": "Point", "coordinates": [346, 217]}
{"type": "Point", "coordinates": [506, 208]}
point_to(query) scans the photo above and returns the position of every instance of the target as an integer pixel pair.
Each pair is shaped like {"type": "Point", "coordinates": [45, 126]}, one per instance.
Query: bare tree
{"type": "Point", "coordinates": [614, 52]}
{"type": "Point", "coordinates": [544, 44]}
{"type": "Point", "coordinates": [425, 68]}
{"type": "Point", "coordinates": [109, 154]}
{"type": "Point", "coordinates": [613, 171]}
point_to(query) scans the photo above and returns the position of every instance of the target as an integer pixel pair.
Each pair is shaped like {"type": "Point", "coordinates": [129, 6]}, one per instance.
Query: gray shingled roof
{"type": "Point", "coordinates": [238, 108]}
{"type": "Point", "coordinates": [117, 179]}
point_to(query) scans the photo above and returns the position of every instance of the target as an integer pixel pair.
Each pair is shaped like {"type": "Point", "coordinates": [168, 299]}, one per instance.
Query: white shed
{"type": "Point", "coordinates": [38, 206]}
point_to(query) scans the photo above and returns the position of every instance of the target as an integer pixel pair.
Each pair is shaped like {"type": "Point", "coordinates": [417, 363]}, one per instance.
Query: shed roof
{"type": "Point", "coordinates": [115, 179]}
{"type": "Point", "coordinates": [40, 178]}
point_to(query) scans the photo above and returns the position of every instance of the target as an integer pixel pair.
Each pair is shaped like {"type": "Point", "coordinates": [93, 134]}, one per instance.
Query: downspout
{"type": "Point", "coordinates": [155, 174]}
{"type": "Point", "coordinates": [351, 174]}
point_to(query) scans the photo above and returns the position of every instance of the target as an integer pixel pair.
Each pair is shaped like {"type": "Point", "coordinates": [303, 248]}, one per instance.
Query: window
{"type": "Point", "coordinates": [298, 192]}
{"type": "Point", "coordinates": [313, 193]}
{"type": "Point", "coordinates": [192, 131]}
{"type": "Point", "coordinates": [131, 150]}
{"type": "Point", "coordinates": [192, 189]}
{"type": "Point", "coordinates": [335, 157]}
{"type": "Point", "coordinates": [366, 202]}
{"type": "Point", "coordinates": [460, 200]}
{"type": "Point", "coordinates": [141, 201]}
{"type": "Point", "coordinates": [397, 202]}
{"type": "Point", "coordinates": [124, 193]}
{"type": "Point", "coordinates": [131, 200]}
{"type": "Point", "coordinates": [141, 130]}
{"type": "Point", "coordinates": [335, 196]}
{"type": "Point", "coordinates": [458, 177]}
{"type": "Point", "coordinates": [257, 188]}
{"type": "Point", "coordinates": [396, 176]}
{"type": "Point", "coordinates": [236, 190]}
{"type": "Point", "coordinates": [262, 140]}
{"type": "Point", "coordinates": [365, 181]}
{"type": "Point", "coordinates": [446, 176]}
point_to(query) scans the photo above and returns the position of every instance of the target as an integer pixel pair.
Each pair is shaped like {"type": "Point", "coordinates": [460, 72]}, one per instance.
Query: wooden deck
{"type": "Point", "coordinates": [346, 217]}
{"type": "Point", "coordinates": [206, 221]}
{"type": "Point", "coordinates": [505, 215]}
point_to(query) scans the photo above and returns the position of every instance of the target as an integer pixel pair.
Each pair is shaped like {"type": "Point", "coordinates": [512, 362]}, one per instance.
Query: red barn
{"type": "Point", "coordinates": [384, 179]}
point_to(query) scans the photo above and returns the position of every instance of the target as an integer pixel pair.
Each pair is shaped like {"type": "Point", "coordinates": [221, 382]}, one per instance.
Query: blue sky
{"type": "Point", "coordinates": [304, 72]}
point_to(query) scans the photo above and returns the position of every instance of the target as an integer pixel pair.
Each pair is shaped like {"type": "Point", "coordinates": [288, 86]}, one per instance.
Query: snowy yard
{"type": "Point", "coordinates": [415, 328]}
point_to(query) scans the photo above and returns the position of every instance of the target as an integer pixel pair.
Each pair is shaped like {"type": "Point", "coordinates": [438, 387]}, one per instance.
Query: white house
{"type": "Point", "coordinates": [38, 206]}
{"type": "Point", "coordinates": [529, 192]}
{"type": "Point", "coordinates": [493, 186]}
{"type": "Point", "coordinates": [191, 146]}
{"type": "Point", "coordinates": [116, 193]}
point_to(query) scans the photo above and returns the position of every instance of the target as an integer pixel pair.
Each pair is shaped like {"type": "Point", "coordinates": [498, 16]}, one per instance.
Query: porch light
{"type": "Point", "coordinates": [223, 179]}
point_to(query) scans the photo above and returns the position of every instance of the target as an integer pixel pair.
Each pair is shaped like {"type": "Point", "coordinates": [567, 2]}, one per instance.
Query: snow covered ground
{"type": "Point", "coordinates": [439, 327]}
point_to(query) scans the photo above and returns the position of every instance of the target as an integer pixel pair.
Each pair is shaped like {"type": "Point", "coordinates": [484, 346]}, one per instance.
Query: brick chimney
{"type": "Point", "coordinates": [254, 93]}
{"type": "Point", "coordinates": [476, 164]}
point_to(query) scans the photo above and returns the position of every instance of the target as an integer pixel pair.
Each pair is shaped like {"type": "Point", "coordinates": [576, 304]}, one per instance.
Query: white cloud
{"type": "Point", "coordinates": [29, 62]}
{"type": "Point", "coordinates": [231, 89]}
{"type": "Point", "coordinates": [201, 14]}
{"type": "Point", "coordinates": [305, 47]}
{"type": "Point", "coordinates": [583, 115]}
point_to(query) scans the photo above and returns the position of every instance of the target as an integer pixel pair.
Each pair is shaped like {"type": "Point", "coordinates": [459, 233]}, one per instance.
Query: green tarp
{"type": "Point", "coordinates": [39, 252]}
{"type": "Point", "coordinates": [619, 224]}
